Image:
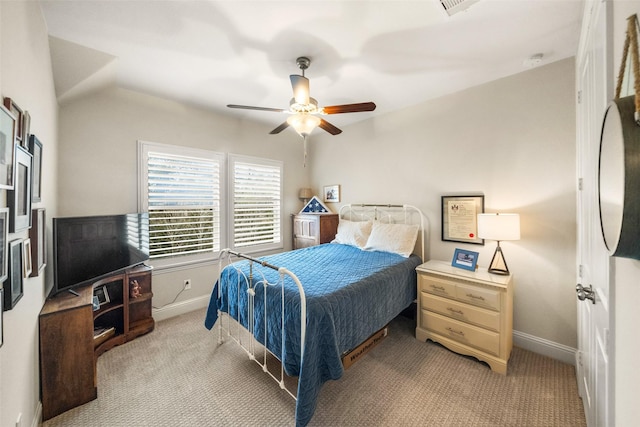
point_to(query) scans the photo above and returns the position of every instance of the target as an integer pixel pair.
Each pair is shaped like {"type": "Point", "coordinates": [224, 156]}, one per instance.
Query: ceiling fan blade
{"type": "Point", "coordinates": [349, 108]}
{"type": "Point", "coordinates": [279, 129]}
{"type": "Point", "coordinates": [300, 85]}
{"type": "Point", "coordinates": [249, 107]}
{"type": "Point", "coordinates": [325, 125]}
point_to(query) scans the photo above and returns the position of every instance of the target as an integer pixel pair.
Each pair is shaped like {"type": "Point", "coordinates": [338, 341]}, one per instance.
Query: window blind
{"type": "Point", "coordinates": [184, 204]}
{"type": "Point", "coordinates": [256, 195]}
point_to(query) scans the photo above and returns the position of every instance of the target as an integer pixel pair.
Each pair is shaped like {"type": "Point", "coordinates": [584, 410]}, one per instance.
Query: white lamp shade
{"type": "Point", "coordinates": [504, 226]}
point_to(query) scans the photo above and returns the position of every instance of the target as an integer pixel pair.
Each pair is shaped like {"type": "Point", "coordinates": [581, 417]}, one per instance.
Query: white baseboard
{"type": "Point", "coordinates": [532, 343]}
{"type": "Point", "coordinates": [544, 347]}
{"type": "Point", "coordinates": [37, 416]}
{"type": "Point", "coordinates": [181, 307]}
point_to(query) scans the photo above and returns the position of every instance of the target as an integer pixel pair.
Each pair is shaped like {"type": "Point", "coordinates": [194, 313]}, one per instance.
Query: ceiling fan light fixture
{"type": "Point", "coordinates": [303, 109]}
{"type": "Point", "coordinates": [303, 123]}
{"type": "Point", "coordinates": [311, 106]}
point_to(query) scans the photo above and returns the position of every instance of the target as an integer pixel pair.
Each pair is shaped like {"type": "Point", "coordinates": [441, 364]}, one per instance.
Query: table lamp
{"type": "Point", "coordinates": [499, 227]}
{"type": "Point", "coordinates": [305, 194]}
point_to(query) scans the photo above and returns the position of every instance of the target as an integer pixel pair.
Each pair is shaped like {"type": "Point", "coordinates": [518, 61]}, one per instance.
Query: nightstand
{"type": "Point", "coordinates": [313, 229]}
{"type": "Point", "coordinates": [469, 312]}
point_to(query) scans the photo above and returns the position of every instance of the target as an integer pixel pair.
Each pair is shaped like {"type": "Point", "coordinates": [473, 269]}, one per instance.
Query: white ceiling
{"type": "Point", "coordinates": [208, 53]}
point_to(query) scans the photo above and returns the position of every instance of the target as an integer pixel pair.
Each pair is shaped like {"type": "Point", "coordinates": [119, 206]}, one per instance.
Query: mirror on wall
{"type": "Point", "coordinates": [618, 178]}
{"type": "Point", "coordinates": [611, 178]}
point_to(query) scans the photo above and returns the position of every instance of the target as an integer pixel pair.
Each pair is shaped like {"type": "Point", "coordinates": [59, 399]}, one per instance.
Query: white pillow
{"type": "Point", "coordinates": [354, 233]}
{"type": "Point", "coordinates": [396, 238]}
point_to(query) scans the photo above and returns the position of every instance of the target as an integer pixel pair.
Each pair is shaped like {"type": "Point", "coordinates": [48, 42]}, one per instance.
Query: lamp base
{"type": "Point", "coordinates": [498, 264]}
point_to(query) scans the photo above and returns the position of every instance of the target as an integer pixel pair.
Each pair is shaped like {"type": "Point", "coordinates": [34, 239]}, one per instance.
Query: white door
{"type": "Point", "coordinates": [594, 360]}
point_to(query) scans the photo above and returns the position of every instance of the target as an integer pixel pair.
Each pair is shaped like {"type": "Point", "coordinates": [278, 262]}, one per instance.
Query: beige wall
{"type": "Point", "coordinates": [25, 75]}
{"type": "Point", "coordinates": [98, 163]}
{"type": "Point", "coordinates": [512, 140]}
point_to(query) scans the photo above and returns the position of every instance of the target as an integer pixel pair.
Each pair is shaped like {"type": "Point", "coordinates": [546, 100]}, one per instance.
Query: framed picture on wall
{"type": "Point", "coordinates": [13, 290]}
{"type": "Point", "coordinates": [19, 199]}
{"type": "Point", "coordinates": [35, 148]}
{"type": "Point", "coordinates": [26, 258]}
{"type": "Point", "coordinates": [460, 218]}
{"type": "Point", "coordinates": [1, 317]}
{"type": "Point", "coordinates": [17, 113]}
{"type": "Point", "coordinates": [26, 128]}
{"type": "Point", "coordinates": [331, 193]}
{"type": "Point", "coordinates": [4, 233]}
{"type": "Point", "coordinates": [38, 242]}
{"type": "Point", "coordinates": [7, 144]}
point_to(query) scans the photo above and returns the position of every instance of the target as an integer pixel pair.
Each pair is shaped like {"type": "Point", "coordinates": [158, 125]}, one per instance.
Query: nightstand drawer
{"type": "Point", "coordinates": [470, 335]}
{"type": "Point", "coordinates": [487, 298]}
{"type": "Point", "coordinates": [436, 286]}
{"type": "Point", "coordinates": [463, 312]}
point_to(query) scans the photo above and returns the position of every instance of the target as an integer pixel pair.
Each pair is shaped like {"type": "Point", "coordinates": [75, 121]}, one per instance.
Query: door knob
{"type": "Point", "coordinates": [586, 293]}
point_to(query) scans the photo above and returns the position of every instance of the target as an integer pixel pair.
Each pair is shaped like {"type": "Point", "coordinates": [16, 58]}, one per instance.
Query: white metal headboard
{"type": "Point", "coordinates": [392, 214]}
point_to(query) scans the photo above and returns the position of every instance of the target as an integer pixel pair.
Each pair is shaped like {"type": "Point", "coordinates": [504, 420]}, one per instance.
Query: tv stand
{"type": "Point", "coordinates": [69, 345]}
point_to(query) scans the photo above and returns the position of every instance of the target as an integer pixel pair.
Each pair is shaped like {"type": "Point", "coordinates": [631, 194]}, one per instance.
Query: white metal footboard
{"type": "Point", "coordinates": [252, 347]}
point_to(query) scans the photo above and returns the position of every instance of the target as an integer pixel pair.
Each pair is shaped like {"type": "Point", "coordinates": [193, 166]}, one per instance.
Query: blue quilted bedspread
{"type": "Point", "coordinates": [350, 294]}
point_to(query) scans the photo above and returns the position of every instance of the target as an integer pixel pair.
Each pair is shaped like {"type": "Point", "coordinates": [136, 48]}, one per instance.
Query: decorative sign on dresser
{"type": "Point", "coordinates": [469, 312]}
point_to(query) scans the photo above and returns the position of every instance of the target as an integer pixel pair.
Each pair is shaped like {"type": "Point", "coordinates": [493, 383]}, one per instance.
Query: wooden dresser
{"type": "Point", "coordinates": [313, 229]}
{"type": "Point", "coordinates": [469, 312]}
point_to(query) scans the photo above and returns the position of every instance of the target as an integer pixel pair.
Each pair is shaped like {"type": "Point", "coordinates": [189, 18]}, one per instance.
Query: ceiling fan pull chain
{"type": "Point", "coordinates": [304, 163]}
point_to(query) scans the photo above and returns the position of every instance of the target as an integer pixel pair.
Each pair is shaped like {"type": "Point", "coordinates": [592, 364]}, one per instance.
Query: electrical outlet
{"type": "Point", "coordinates": [187, 284]}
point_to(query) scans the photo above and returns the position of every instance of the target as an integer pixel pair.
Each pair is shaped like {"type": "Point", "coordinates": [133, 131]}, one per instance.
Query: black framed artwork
{"type": "Point", "coordinates": [13, 286]}
{"type": "Point", "coordinates": [4, 233]}
{"type": "Point", "coordinates": [460, 218]}
{"type": "Point", "coordinates": [19, 199]}
{"type": "Point", "coordinates": [35, 148]}
{"type": "Point", "coordinates": [38, 241]}
{"type": "Point", "coordinates": [1, 316]}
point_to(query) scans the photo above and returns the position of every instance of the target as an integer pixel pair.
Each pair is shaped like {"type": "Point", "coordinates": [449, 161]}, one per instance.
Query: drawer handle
{"type": "Point", "coordinates": [475, 297]}
{"type": "Point", "coordinates": [453, 310]}
{"type": "Point", "coordinates": [438, 288]}
{"type": "Point", "coordinates": [453, 331]}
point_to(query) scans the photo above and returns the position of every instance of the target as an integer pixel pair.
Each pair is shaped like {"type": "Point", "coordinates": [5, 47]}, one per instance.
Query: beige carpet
{"type": "Point", "coordinates": [178, 376]}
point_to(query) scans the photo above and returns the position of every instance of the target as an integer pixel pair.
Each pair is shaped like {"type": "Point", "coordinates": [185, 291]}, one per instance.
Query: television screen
{"type": "Point", "coordinates": [88, 248]}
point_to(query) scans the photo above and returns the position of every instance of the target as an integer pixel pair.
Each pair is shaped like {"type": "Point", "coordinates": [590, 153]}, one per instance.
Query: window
{"type": "Point", "coordinates": [256, 203]}
{"type": "Point", "coordinates": [182, 189]}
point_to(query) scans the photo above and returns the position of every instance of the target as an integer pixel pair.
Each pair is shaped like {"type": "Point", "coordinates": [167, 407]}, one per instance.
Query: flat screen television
{"type": "Point", "coordinates": [88, 248]}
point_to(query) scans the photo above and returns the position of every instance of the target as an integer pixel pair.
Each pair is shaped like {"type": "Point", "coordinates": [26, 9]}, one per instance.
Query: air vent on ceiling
{"type": "Point", "coordinates": [455, 6]}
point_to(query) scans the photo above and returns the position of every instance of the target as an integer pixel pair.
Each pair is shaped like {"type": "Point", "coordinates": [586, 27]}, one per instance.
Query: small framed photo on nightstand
{"type": "Point", "coordinates": [465, 259]}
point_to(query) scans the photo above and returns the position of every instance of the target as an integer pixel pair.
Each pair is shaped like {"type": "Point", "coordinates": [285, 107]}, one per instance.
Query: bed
{"type": "Point", "coordinates": [310, 307]}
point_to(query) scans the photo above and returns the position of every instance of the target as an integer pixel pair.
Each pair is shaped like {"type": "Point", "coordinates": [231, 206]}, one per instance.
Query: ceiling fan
{"type": "Point", "coordinates": [304, 110]}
